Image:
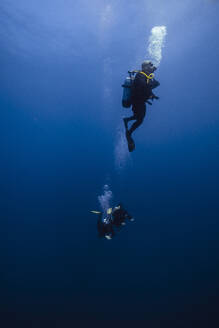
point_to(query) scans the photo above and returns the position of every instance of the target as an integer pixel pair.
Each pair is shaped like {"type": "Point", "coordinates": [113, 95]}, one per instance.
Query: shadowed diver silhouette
{"type": "Point", "coordinates": [113, 218]}
{"type": "Point", "coordinates": [138, 91]}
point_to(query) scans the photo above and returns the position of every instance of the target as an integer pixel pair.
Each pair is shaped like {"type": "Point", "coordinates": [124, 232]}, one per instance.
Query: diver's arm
{"type": "Point", "coordinates": [153, 96]}
{"type": "Point", "coordinates": [154, 84]}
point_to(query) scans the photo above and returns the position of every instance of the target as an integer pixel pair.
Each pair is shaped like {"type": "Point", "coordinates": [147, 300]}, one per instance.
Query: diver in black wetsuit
{"type": "Point", "coordinates": [141, 93]}
{"type": "Point", "coordinates": [120, 215]}
{"type": "Point", "coordinates": [113, 218]}
{"type": "Point", "coordinates": [105, 225]}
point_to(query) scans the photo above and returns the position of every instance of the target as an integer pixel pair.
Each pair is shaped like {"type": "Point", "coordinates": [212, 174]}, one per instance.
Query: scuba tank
{"type": "Point", "coordinates": [127, 92]}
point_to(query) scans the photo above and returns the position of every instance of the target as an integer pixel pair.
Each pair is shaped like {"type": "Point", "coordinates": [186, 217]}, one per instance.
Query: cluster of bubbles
{"type": "Point", "coordinates": [105, 198]}
{"type": "Point", "coordinates": [156, 43]}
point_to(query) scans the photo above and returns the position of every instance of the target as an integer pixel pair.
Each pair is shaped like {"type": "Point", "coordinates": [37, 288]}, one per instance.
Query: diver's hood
{"type": "Point", "coordinates": [148, 66]}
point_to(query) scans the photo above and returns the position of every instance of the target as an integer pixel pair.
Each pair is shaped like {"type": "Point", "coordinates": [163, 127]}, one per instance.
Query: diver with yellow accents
{"type": "Point", "coordinates": [141, 92]}
{"type": "Point", "coordinates": [110, 219]}
{"type": "Point", "coordinates": [105, 224]}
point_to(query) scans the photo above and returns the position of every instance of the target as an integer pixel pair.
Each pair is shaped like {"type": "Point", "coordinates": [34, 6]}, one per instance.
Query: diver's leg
{"type": "Point", "coordinates": [131, 118]}
{"type": "Point", "coordinates": [109, 231]}
{"type": "Point", "coordinates": [139, 115]}
{"type": "Point", "coordinates": [135, 126]}
{"type": "Point", "coordinates": [127, 119]}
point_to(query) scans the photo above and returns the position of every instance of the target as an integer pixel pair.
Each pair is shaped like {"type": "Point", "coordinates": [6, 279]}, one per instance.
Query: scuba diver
{"type": "Point", "coordinates": [140, 93]}
{"type": "Point", "coordinates": [120, 215]}
{"type": "Point", "coordinates": [105, 225]}
{"type": "Point", "coordinates": [113, 217]}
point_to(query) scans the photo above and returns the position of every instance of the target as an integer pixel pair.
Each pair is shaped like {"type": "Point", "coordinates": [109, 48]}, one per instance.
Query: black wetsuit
{"type": "Point", "coordinates": [105, 227]}
{"type": "Point", "coordinates": [120, 215]}
{"type": "Point", "coordinates": [141, 92]}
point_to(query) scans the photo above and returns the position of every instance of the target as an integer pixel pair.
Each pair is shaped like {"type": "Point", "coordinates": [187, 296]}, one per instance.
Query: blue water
{"type": "Point", "coordinates": [62, 66]}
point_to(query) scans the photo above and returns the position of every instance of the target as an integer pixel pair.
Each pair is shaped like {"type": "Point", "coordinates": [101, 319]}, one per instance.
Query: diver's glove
{"type": "Point", "coordinates": [152, 97]}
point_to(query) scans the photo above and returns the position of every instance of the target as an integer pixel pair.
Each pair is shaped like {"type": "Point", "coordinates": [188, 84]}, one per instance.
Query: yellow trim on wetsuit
{"type": "Point", "coordinates": [109, 211]}
{"type": "Point", "coordinates": [149, 77]}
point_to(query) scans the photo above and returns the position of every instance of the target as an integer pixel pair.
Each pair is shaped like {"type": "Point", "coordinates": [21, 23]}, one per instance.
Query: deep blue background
{"type": "Point", "coordinates": [58, 136]}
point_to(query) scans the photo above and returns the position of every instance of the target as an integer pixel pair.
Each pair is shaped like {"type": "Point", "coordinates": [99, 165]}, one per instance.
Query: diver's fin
{"type": "Point", "coordinates": [131, 146]}
{"type": "Point", "coordinates": [95, 212]}
{"type": "Point", "coordinates": [131, 143]}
